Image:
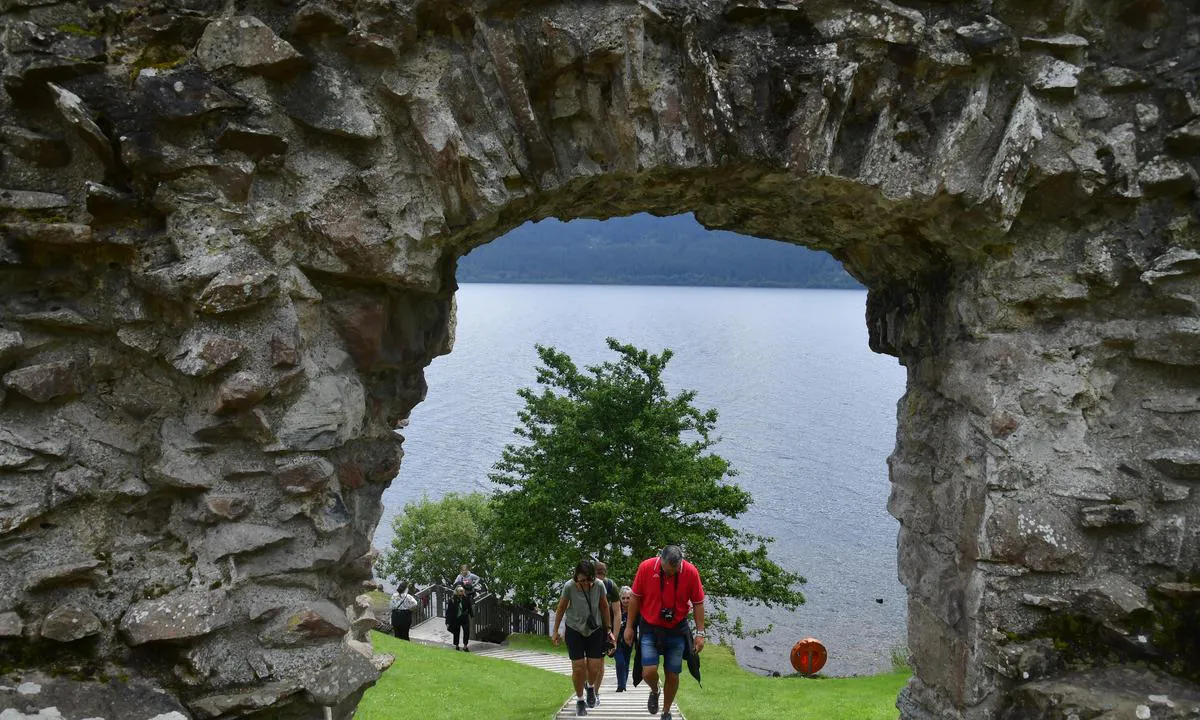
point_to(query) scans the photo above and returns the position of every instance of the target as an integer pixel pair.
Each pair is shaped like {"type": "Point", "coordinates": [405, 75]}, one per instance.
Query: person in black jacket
{"type": "Point", "coordinates": [624, 652]}
{"type": "Point", "coordinates": [458, 616]}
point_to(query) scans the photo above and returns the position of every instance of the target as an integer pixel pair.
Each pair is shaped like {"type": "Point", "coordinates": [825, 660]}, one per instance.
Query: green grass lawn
{"type": "Point", "coordinates": [731, 693]}
{"type": "Point", "coordinates": [431, 682]}
{"type": "Point", "coordinates": [435, 680]}
{"type": "Point", "coordinates": [536, 643]}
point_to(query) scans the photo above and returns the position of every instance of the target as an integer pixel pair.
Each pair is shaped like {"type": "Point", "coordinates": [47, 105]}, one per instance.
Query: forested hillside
{"type": "Point", "coordinates": [647, 250]}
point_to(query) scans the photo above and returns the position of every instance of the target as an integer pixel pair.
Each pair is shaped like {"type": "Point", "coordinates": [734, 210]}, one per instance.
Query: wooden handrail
{"type": "Point", "coordinates": [492, 615]}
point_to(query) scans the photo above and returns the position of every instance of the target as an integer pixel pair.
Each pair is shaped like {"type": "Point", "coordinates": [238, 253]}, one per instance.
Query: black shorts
{"type": "Point", "coordinates": [580, 646]}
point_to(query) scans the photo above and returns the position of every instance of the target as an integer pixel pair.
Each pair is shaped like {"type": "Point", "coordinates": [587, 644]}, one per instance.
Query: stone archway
{"type": "Point", "coordinates": [229, 238]}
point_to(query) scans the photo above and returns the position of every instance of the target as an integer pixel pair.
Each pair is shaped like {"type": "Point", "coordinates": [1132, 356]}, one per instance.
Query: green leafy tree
{"type": "Point", "coordinates": [433, 538]}
{"type": "Point", "coordinates": [610, 465]}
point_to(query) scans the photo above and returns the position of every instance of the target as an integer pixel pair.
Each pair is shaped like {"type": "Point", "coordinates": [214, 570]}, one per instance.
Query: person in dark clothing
{"type": "Point", "coordinates": [402, 605]}
{"type": "Point", "coordinates": [459, 612]}
{"type": "Point", "coordinates": [623, 652]}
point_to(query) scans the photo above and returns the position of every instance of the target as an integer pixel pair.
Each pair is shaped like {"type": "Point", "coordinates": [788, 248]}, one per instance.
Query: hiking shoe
{"type": "Point", "coordinates": [591, 696]}
{"type": "Point", "coordinates": [580, 707]}
{"type": "Point", "coordinates": [652, 703]}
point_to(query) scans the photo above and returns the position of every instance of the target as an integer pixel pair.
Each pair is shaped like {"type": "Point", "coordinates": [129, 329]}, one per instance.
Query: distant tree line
{"type": "Point", "coordinates": [647, 250]}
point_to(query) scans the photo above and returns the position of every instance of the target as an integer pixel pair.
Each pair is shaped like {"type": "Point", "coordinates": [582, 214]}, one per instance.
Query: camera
{"type": "Point", "coordinates": [591, 623]}
{"type": "Point", "coordinates": [667, 613]}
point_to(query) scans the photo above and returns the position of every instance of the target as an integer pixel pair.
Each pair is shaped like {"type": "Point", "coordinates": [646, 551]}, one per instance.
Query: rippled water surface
{"type": "Point", "coordinates": [807, 416]}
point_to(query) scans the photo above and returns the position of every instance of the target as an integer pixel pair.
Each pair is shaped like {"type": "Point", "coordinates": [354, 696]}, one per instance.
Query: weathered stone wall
{"type": "Point", "coordinates": [228, 242]}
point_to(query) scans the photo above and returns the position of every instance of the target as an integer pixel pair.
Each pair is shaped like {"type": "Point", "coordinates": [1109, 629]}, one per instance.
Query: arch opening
{"type": "Point", "coordinates": [227, 253]}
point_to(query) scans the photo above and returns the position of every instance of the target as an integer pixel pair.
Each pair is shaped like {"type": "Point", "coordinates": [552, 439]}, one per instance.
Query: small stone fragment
{"type": "Point", "coordinates": [1179, 590]}
{"type": "Point", "coordinates": [1063, 41]}
{"type": "Point", "coordinates": [241, 391]}
{"type": "Point", "coordinates": [1165, 176]}
{"type": "Point", "coordinates": [10, 625]}
{"type": "Point", "coordinates": [205, 355]}
{"type": "Point", "coordinates": [1185, 139]}
{"type": "Point", "coordinates": [304, 474]}
{"type": "Point", "coordinates": [1147, 116]}
{"type": "Point", "coordinates": [1053, 76]}
{"type": "Point", "coordinates": [30, 200]}
{"type": "Point", "coordinates": [79, 117]}
{"type": "Point", "coordinates": [252, 141]}
{"type": "Point", "coordinates": [990, 37]}
{"type": "Point", "coordinates": [1111, 599]}
{"type": "Point", "coordinates": [10, 343]}
{"type": "Point", "coordinates": [1119, 78]}
{"type": "Point", "coordinates": [37, 148]}
{"type": "Point", "coordinates": [1179, 463]}
{"type": "Point", "coordinates": [1113, 514]}
{"type": "Point", "coordinates": [61, 575]}
{"type": "Point", "coordinates": [48, 233]}
{"type": "Point", "coordinates": [143, 339]}
{"type": "Point", "coordinates": [232, 291]}
{"type": "Point", "coordinates": [226, 507]}
{"type": "Point", "coordinates": [67, 623]}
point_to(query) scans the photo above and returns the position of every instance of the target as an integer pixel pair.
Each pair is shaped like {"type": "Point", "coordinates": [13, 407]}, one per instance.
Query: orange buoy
{"type": "Point", "coordinates": [809, 656]}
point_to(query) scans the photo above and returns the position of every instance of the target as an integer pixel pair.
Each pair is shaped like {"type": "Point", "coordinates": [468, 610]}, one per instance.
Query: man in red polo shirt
{"type": "Point", "coordinates": [665, 588]}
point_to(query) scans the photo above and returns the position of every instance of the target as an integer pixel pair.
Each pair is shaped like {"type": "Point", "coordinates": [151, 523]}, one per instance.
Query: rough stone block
{"type": "Point", "coordinates": [204, 355]}
{"type": "Point", "coordinates": [45, 382]}
{"type": "Point", "coordinates": [38, 148]}
{"type": "Point", "coordinates": [304, 474]}
{"type": "Point", "coordinates": [240, 391]}
{"type": "Point", "coordinates": [226, 507]}
{"type": "Point", "coordinates": [317, 623]}
{"type": "Point", "coordinates": [246, 42]}
{"type": "Point", "coordinates": [26, 200]}
{"type": "Point", "coordinates": [67, 623]}
{"type": "Point", "coordinates": [182, 94]}
{"type": "Point", "coordinates": [177, 616]}
{"type": "Point", "coordinates": [232, 291]}
{"type": "Point", "coordinates": [325, 100]}
{"type": "Point", "coordinates": [64, 574]}
{"type": "Point", "coordinates": [10, 625]}
{"type": "Point", "coordinates": [1113, 515]}
{"type": "Point", "coordinates": [1165, 176]}
{"type": "Point", "coordinates": [239, 538]}
{"type": "Point", "coordinates": [1179, 463]}
{"type": "Point", "coordinates": [349, 674]}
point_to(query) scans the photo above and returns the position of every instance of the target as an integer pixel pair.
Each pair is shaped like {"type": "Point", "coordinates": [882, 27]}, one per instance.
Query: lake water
{"type": "Point", "coordinates": [807, 417]}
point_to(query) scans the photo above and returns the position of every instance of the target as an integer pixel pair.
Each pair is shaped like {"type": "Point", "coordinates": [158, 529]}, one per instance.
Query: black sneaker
{"type": "Point", "coordinates": [666, 716]}
{"type": "Point", "coordinates": [591, 696]}
{"type": "Point", "coordinates": [652, 703]}
{"type": "Point", "coordinates": [580, 707]}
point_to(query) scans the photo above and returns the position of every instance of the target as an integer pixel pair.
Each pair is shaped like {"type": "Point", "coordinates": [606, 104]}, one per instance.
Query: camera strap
{"type": "Point", "coordinates": [587, 596]}
{"type": "Point", "coordinates": [662, 582]}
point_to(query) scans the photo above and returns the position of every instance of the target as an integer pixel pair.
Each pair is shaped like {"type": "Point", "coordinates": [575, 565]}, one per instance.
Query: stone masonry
{"type": "Point", "coordinates": [228, 236]}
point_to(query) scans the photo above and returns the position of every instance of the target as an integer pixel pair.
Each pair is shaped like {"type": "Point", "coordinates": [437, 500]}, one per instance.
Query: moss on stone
{"type": "Point", "coordinates": [76, 29]}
